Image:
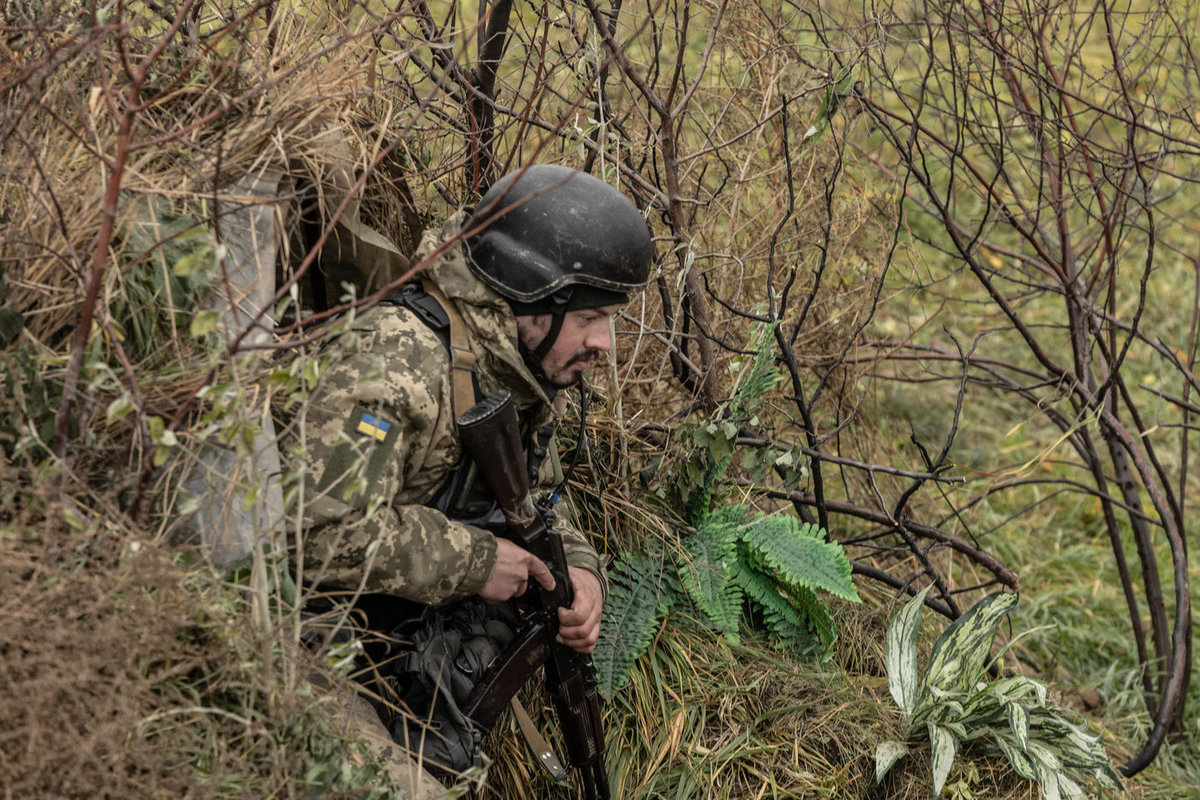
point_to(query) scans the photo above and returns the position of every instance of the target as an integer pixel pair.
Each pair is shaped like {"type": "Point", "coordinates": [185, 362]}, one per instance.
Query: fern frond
{"type": "Point", "coordinates": [800, 555]}
{"type": "Point", "coordinates": [637, 599]}
{"type": "Point", "coordinates": [817, 612]}
{"type": "Point", "coordinates": [761, 378]}
{"type": "Point", "coordinates": [782, 620]}
{"type": "Point", "coordinates": [726, 520]}
{"type": "Point", "coordinates": [704, 571]}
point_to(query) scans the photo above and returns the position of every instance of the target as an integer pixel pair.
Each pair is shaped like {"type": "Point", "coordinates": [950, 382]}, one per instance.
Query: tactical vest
{"type": "Point", "coordinates": [465, 497]}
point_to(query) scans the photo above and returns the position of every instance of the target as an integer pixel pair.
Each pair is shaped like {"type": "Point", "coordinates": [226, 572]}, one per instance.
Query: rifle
{"type": "Point", "coordinates": [490, 434]}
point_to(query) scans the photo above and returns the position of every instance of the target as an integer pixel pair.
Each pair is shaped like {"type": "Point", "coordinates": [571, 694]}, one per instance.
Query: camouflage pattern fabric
{"type": "Point", "coordinates": [380, 440]}
{"type": "Point", "coordinates": [353, 716]}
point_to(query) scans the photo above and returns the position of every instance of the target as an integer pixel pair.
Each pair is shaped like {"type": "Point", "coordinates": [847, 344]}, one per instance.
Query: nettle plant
{"type": "Point", "coordinates": [954, 703]}
{"type": "Point", "coordinates": [733, 564]}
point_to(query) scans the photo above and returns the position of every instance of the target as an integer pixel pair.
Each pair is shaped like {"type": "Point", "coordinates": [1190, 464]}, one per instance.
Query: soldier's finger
{"type": "Point", "coordinates": [576, 616]}
{"type": "Point", "coordinates": [541, 573]}
{"type": "Point", "coordinates": [583, 640]}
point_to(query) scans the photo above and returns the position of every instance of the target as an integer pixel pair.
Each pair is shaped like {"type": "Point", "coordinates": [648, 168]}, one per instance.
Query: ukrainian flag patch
{"type": "Point", "coordinates": [373, 426]}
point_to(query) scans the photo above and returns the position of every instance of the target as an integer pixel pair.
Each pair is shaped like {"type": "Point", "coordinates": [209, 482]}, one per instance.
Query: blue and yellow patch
{"type": "Point", "coordinates": [373, 426]}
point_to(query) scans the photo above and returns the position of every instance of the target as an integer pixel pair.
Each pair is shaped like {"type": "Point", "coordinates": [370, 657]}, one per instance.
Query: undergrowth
{"type": "Point", "coordinates": [126, 672]}
{"type": "Point", "coordinates": [734, 565]}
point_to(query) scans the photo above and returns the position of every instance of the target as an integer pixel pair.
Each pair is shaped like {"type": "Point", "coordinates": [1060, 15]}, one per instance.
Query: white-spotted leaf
{"type": "Point", "coordinates": [886, 755]}
{"type": "Point", "coordinates": [901, 653]}
{"type": "Point", "coordinates": [944, 747]}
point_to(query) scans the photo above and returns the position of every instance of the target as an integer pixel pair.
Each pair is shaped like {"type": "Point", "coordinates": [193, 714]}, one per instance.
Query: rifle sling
{"type": "Point", "coordinates": [537, 743]}
{"type": "Point", "coordinates": [507, 674]}
{"type": "Point", "coordinates": [499, 686]}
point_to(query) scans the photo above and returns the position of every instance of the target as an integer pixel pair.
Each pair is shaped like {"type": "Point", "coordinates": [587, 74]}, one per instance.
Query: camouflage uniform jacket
{"type": "Point", "coordinates": [381, 441]}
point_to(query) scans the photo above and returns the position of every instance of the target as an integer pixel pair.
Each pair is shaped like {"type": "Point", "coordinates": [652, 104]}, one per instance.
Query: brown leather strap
{"type": "Point", "coordinates": [542, 753]}
{"type": "Point", "coordinates": [462, 360]}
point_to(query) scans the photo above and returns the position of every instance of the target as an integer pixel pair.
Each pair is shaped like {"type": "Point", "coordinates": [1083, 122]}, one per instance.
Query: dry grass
{"type": "Point", "coordinates": [104, 645]}
{"type": "Point", "coordinates": [124, 673]}
{"type": "Point", "coordinates": [701, 718]}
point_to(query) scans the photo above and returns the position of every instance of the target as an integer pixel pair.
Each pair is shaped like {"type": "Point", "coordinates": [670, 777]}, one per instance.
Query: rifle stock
{"type": "Point", "coordinates": [491, 435]}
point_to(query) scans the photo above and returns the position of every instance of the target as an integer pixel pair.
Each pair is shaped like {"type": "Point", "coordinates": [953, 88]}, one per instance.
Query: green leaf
{"type": "Point", "coordinates": [312, 371]}
{"type": "Point", "coordinates": [986, 708]}
{"type": "Point", "coordinates": [1019, 688]}
{"type": "Point", "coordinates": [193, 263]}
{"type": "Point", "coordinates": [801, 555]}
{"type": "Point", "coordinates": [1021, 763]}
{"type": "Point", "coordinates": [1018, 723]}
{"type": "Point", "coordinates": [638, 598]}
{"type": "Point", "coordinates": [285, 586]}
{"type": "Point", "coordinates": [1047, 780]}
{"type": "Point", "coordinates": [820, 619]}
{"type": "Point", "coordinates": [118, 409]}
{"type": "Point", "coordinates": [901, 653]}
{"type": "Point", "coordinates": [705, 574]}
{"type": "Point", "coordinates": [948, 711]}
{"type": "Point", "coordinates": [887, 753]}
{"type": "Point", "coordinates": [1041, 754]}
{"type": "Point", "coordinates": [960, 654]}
{"type": "Point", "coordinates": [761, 378]}
{"type": "Point", "coordinates": [204, 323]}
{"type": "Point", "coordinates": [945, 748]}
{"type": "Point", "coordinates": [835, 93]}
{"type": "Point", "coordinates": [1069, 788]}
{"type": "Point", "coordinates": [72, 518]}
{"type": "Point", "coordinates": [251, 497]}
{"type": "Point", "coordinates": [164, 440]}
{"type": "Point", "coordinates": [781, 618]}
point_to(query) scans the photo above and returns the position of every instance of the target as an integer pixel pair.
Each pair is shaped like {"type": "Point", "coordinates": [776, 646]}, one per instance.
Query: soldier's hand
{"type": "Point", "coordinates": [510, 576]}
{"type": "Point", "coordinates": [579, 625]}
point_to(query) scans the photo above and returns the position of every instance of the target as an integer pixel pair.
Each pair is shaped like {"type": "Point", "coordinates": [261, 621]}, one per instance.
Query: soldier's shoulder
{"type": "Point", "coordinates": [394, 328]}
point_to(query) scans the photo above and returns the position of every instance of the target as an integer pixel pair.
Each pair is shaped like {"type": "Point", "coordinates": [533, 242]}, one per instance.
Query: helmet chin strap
{"type": "Point", "coordinates": [557, 313]}
{"type": "Point", "coordinates": [533, 358]}
{"type": "Point", "coordinates": [547, 342]}
{"type": "Point", "coordinates": [549, 500]}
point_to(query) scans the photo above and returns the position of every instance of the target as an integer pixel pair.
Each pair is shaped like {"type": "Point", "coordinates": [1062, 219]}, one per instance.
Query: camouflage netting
{"type": "Point", "coordinates": [149, 230]}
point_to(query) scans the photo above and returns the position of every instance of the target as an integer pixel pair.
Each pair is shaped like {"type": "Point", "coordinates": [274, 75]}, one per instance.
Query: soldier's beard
{"type": "Point", "coordinates": [569, 374]}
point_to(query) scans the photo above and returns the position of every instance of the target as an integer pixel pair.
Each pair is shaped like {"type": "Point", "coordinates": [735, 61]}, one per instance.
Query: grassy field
{"type": "Point", "coordinates": [926, 219]}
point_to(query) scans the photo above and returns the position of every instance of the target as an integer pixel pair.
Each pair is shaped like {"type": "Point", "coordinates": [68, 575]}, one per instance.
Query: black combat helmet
{"type": "Point", "coordinates": [558, 239]}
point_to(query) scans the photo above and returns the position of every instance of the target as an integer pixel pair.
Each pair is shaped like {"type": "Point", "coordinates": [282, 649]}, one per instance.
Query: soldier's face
{"type": "Point", "coordinates": [584, 336]}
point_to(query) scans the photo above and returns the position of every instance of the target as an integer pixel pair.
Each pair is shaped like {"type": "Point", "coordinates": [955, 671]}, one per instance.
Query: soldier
{"type": "Point", "coordinates": [519, 297]}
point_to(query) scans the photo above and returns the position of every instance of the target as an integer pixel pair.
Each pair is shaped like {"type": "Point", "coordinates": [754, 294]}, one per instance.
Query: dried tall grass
{"type": "Point", "coordinates": [103, 172]}
{"type": "Point", "coordinates": [125, 674]}
{"type": "Point", "coordinates": [237, 95]}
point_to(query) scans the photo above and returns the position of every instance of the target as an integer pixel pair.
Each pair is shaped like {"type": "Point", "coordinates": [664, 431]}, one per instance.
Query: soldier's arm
{"type": "Point", "coordinates": [378, 441]}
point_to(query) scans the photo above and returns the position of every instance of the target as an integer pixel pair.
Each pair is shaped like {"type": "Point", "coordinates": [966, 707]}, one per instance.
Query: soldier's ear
{"type": "Point", "coordinates": [532, 329]}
